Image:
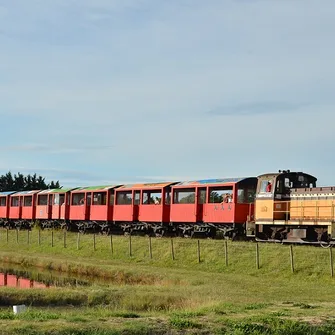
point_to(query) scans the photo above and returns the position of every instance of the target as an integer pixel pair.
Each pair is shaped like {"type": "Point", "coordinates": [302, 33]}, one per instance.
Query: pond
{"type": "Point", "coordinates": [20, 277]}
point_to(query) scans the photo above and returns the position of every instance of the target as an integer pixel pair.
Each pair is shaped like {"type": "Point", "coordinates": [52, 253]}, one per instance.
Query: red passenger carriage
{"type": "Point", "coordinates": [198, 206]}
{"type": "Point", "coordinates": [145, 205]}
{"type": "Point", "coordinates": [4, 207]}
{"type": "Point", "coordinates": [91, 207]}
{"type": "Point", "coordinates": [52, 208]}
{"type": "Point", "coordinates": [22, 209]}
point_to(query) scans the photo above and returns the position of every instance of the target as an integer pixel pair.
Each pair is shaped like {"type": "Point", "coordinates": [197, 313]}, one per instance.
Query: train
{"type": "Point", "coordinates": [276, 207]}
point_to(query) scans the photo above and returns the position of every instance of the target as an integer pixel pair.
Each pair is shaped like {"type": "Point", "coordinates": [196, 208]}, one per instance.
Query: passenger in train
{"type": "Point", "coordinates": [227, 198]}
{"type": "Point", "coordinates": [230, 199]}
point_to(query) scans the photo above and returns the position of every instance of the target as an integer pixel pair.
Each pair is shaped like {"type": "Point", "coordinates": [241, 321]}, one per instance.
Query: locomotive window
{"type": "Point", "coordinates": [124, 198]}
{"type": "Point", "coordinates": [184, 196]}
{"type": "Point", "coordinates": [99, 198]}
{"type": "Point", "coordinates": [220, 194]}
{"type": "Point", "coordinates": [78, 199]}
{"type": "Point", "coordinates": [3, 201]}
{"type": "Point", "coordinates": [283, 185]}
{"type": "Point", "coordinates": [288, 183]}
{"type": "Point", "coordinates": [265, 186]}
{"type": "Point", "coordinates": [303, 182]}
{"type": "Point", "coordinates": [137, 197]}
{"type": "Point", "coordinates": [15, 202]}
{"type": "Point", "coordinates": [152, 198]}
{"type": "Point", "coordinates": [28, 201]}
{"type": "Point", "coordinates": [42, 200]}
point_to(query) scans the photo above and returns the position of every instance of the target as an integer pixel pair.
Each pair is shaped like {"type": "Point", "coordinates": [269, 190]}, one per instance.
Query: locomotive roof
{"type": "Point", "coordinates": [228, 181]}
{"type": "Point", "coordinates": [287, 173]}
{"type": "Point", "coordinates": [56, 190]}
{"type": "Point", "coordinates": [94, 188]}
{"type": "Point", "coordinates": [148, 186]}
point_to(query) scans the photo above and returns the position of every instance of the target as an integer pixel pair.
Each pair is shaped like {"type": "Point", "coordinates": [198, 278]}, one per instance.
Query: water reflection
{"type": "Point", "coordinates": [11, 280]}
{"type": "Point", "coordinates": [22, 278]}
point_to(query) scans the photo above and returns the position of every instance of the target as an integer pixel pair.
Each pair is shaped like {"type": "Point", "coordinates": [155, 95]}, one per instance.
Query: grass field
{"type": "Point", "coordinates": [162, 295]}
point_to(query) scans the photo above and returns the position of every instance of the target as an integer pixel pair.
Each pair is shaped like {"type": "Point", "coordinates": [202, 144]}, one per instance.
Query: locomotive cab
{"type": "Point", "coordinates": [272, 204]}
{"type": "Point", "coordinates": [273, 194]}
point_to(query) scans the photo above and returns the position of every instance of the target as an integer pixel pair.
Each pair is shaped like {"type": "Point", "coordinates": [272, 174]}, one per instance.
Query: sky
{"type": "Point", "coordinates": [119, 91]}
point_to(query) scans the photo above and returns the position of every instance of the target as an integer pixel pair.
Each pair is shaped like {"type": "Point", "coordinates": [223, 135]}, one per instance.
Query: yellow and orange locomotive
{"type": "Point", "coordinates": [289, 207]}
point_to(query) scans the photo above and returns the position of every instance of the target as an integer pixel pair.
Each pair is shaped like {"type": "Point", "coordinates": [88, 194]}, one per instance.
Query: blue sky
{"type": "Point", "coordinates": [113, 91]}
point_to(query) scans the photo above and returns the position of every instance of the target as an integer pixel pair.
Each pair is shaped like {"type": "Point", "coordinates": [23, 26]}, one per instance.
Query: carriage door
{"type": "Point", "coordinates": [88, 205]}
{"type": "Point", "coordinates": [61, 211]}
{"type": "Point", "coordinates": [136, 205]}
{"type": "Point", "coordinates": [201, 200]}
{"type": "Point", "coordinates": [49, 206]}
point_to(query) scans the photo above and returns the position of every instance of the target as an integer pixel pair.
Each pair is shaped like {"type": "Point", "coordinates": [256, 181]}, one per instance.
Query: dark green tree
{"type": "Point", "coordinates": [41, 185]}
{"type": "Point", "coordinates": [20, 182]}
{"type": "Point", "coordinates": [34, 181]}
{"type": "Point", "coordinates": [53, 185]}
{"type": "Point", "coordinates": [9, 181]}
{"type": "Point", "coordinates": [214, 197]}
{"type": "Point", "coordinates": [190, 199]}
{"type": "Point", "coordinates": [27, 182]}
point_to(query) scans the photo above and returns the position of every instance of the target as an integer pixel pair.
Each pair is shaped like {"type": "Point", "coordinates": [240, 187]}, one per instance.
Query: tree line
{"type": "Point", "coordinates": [20, 182]}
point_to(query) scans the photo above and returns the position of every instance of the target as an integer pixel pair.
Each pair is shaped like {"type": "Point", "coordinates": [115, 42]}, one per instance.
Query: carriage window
{"type": "Point", "coordinates": [3, 202]}
{"type": "Point", "coordinates": [111, 200]}
{"type": "Point", "coordinates": [152, 198]}
{"type": "Point", "coordinates": [15, 202]}
{"type": "Point", "coordinates": [28, 201]}
{"type": "Point", "coordinates": [62, 199]}
{"type": "Point", "coordinates": [59, 199]}
{"type": "Point", "coordinates": [184, 196]}
{"type": "Point", "coordinates": [99, 198]}
{"type": "Point", "coordinates": [168, 197]}
{"type": "Point", "coordinates": [56, 199]}
{"type": "Point", "coordinates": [220, 194]}
{"type": "Point", "coordinates": [246, 195]}
{"type": "Point", "coordinates": [78, 199]}
{"type": "Point", "coordinates": [202, 196]}
{"type": "Point", "coordinates": [124, 198]}
{"type": "Point", "coordinates": [137, 197]}
{"type": "Point", "coordinates": [42, 200]}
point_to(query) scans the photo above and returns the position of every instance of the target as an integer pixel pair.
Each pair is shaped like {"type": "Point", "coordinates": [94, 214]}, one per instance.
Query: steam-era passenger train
{"type": "Point", "coordinates": [285, 206]}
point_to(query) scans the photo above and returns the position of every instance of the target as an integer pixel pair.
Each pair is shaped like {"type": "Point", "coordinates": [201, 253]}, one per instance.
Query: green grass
{"type": "Point", "coordinates": [309, 261]}
{"type": "Point", "coordinates": [136, 294]}
{"type": "Point", "coordinates": [95, 321]}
